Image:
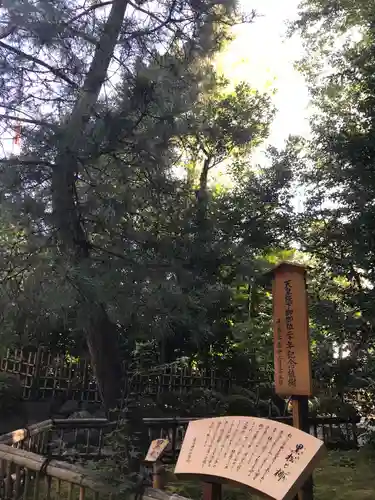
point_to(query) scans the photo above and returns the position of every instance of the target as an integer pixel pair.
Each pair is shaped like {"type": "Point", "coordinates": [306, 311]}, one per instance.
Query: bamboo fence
{"type": "Point", "coordinates": [45, 376]}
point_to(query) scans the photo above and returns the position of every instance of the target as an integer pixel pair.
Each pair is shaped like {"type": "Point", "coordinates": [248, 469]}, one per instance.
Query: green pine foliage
{"type": "Point", "coordinates": [113, 234]}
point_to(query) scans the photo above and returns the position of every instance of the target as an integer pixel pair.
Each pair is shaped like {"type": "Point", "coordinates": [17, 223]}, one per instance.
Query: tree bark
{"type": "Point", "coordinates": [101, 334]}
{"type": "Point", "coordinates": [203, 180]}
{"type": "Point", "coordinates": [202, 198]}
{"type": "Point", "coordinates": [102, 342]}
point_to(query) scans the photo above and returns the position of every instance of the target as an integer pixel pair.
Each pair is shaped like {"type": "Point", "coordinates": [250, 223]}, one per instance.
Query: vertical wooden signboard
{"type": "Point", "coordinates": [291, 331]}
{"type": "Point", "coordinates": [292, 346]}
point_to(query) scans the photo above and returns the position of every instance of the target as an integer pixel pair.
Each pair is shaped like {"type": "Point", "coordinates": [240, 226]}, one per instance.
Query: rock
{"type": "Point", "coordinates": [71, 453]}
{"type": "Point", "coordinates": [69, 438]}
{"type": "Point", "coordinates": [161, 495]}
{"type": "Point", "coordinates": [69, 407]}
{"type": "Point", "coordinates": [79, 438]}
{"type": "Point", "coordinates": [90, 406]}
{"type": "Point", "coordinates": [93, 438]}
{"type": "Point", "coordinates": [57, 446]}
{"type": "Point", "coordinates": [80, 414]}
{"type": "Point", "coordinates": [99, 413]}
{"type": "Point", "coordinates": [106, 451]}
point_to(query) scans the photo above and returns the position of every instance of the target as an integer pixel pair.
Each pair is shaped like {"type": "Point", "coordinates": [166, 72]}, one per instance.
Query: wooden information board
{"type": "Point", "coordinates": [156, 449]}
{"type": "Point", "coordinates": [291, 331]}
{"type": "Point", "coordinates": [271, 458]}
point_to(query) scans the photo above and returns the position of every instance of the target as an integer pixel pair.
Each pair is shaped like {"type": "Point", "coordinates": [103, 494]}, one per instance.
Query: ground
{"type": "Point", "coordinates": [346, 476]}
{"type": "Point", "coordinates": [343, 475]}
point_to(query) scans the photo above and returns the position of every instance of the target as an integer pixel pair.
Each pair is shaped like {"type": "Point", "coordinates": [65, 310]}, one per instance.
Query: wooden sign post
{"type": "Point", "coordinates": [292, 346]}
{"type": "Point", "coordinates": [270, 458]}
{"type": "Point", "coordinates": [154, 455]}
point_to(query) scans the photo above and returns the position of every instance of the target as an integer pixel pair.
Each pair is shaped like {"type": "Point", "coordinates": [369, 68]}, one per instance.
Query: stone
{"type": "Point", "coordinates": [69, 407]}
{"type": "Point", "coordinates": [106, 451]}
{"type": "Point", "coordinates": [90, 406]}
{"type": "Point", "coordinates": [57, 446]}
{"type": "Point", "coordinates": [152, 493]}
{"type": "Point", "coordinates": [99, 413]}
{"type": "Point", "coordinates": [69, 438]}
{"type": "Point", "coordinates": [71, 453]}
{"type": "Point", "coordinates": [80, 414]}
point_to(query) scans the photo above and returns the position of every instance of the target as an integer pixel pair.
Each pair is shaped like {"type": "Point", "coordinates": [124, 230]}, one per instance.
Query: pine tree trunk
{"type": "Point", "coordinates": [203, 181]}
{"type": "Point", "coordinates": [202, 198]}
{"type": "Point", "coordinates": [73, 241]}
{"type": "Point", "coordinates": [102, 342]}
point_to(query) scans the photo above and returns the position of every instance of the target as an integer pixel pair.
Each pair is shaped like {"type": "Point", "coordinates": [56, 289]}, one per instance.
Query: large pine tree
{"type": "Point", "coordinates": [103, 240]}
{"type": "Point", "coordinates": [95, 86]}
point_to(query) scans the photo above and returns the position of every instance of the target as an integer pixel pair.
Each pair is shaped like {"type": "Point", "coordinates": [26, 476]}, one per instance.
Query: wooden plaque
{"type": "Point", "coordinates": [291, 332]}
{"type": "Point", "coordinates": [271, 458]}
{"type": "Point", "coordinates": [156, 449]}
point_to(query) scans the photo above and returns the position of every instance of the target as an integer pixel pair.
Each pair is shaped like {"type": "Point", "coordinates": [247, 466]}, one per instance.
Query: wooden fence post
{"type": "Point", "coordinates": [300, 411]}
{"type": "Point", "coordinates": [212, 491]}
{"type": "Point", "coordinates": [158, 476]}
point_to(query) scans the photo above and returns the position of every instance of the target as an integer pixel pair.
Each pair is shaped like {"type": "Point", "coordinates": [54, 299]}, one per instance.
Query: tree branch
{"type": "Point", "coordinates": [109, 252]}
{"type": "Point", "coordinates": [90, 9]}
{"type": "Point", "coordinates": [28, 120]}
{"type": "Point", "coordinates": [9, 30]}
{"type": "Point", "coordinates": [153, 16]}
{"type": "Point", "coordinates": [34, 59]}
{"type": "Point", "coordinates": [65, 207]}
{"type": "Point", "coordinates": [18, 161]}
{"type": "Point", "coordinates": [201, 145]}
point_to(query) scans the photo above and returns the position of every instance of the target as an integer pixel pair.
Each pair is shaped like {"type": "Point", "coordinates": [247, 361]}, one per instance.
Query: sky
{"type": "Point", "coordinates": [262, 56]}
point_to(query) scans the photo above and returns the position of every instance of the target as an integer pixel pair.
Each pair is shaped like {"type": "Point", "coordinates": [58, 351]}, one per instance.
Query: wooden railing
{"type": "Point", "coordinates": [28, 470]}
{"type": "Point", "coordinates": [59, 438]}
{"type": "Point", "coordinates": [27, 475]}
{"type": "Point", "coordinates": [70, 439]}
{"type": "Point", "coordinates": [30, 467]}
{"type": "Point", "coordinates": [33, 439]}
{"type": "Point", "coordinates": [336, 432]}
